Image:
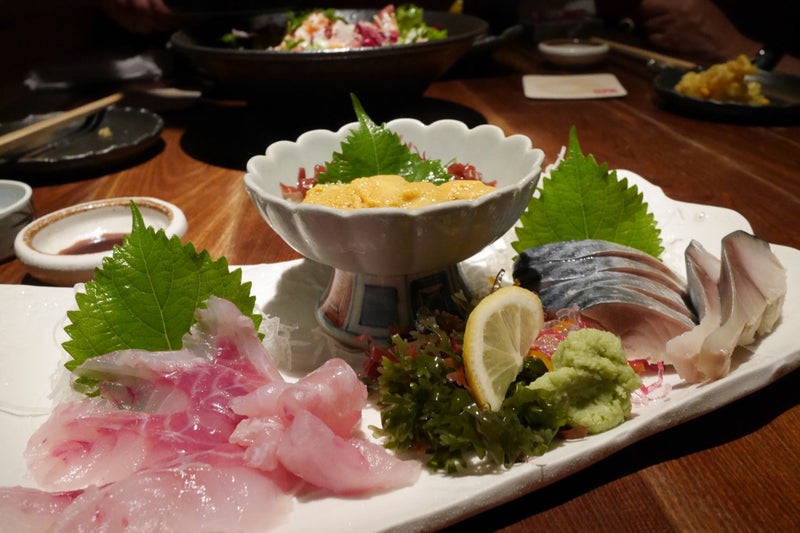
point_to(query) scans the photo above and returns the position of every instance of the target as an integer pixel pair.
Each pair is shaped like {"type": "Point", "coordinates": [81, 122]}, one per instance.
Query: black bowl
{"type": "Point", "coordinates": [402, 71]}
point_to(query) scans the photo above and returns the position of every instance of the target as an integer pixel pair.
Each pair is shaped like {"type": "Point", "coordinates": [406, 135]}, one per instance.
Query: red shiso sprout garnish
{"type": "Point", "coordinates": [655, 390]}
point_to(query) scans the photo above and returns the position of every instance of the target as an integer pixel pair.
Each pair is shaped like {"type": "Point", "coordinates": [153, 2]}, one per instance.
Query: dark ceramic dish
{"type": "Point", "coordinates": [390, 71]}
{"type": "Point", "coordinates": [782, 90]}
{"type": "Point", "coordinates": [109, 138]}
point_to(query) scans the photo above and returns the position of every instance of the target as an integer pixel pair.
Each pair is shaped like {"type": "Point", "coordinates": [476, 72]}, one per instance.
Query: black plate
{"type": "Point", "coordinates": [121, 134]}
{"type": "Point", "coordinates": [382, 72]}
{"type": "Point", "coordinates": [782, 90]}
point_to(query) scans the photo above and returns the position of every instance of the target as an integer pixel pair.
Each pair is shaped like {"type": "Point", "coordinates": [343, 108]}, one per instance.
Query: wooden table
{"type": "Point", "coordinates": [737, 469]}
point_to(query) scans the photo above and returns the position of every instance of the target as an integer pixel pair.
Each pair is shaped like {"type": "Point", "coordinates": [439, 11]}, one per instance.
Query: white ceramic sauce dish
{"type": "Point", "coordinates": [16, 210]}
{"type": "Point", "coordinates": [576, 53]}
{"type": "Point", "coordinates": [65, 246]}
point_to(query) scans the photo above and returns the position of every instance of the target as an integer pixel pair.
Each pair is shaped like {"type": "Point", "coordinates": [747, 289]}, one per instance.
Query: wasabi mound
{"type": "Point", "coordinates": [592, 376]}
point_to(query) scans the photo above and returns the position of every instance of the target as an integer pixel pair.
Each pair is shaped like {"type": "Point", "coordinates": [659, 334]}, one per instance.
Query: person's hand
{"type": "Point", "coordinates": [141, 16]}
{"type": "Point", "coordinates": [693, 27]}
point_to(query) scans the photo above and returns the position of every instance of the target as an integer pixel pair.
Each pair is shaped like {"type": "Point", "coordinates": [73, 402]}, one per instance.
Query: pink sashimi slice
{"type": "Point", "coordinates": [333, 392]}
{"type": "Point", "coordinates": [224, 334]}
{"type": "Point", "coordinates": [157, 408]}
{"type": "Point", "coordinates": [206, 438]}
{"type": "Point", "coordinates": [92, 441]}
{"type": "Point", "coordinates": [312, 451]}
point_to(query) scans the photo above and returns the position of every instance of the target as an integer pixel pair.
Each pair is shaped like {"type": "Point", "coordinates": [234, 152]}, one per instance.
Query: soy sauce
{"type": "Point", "coordinates": [101, 243]}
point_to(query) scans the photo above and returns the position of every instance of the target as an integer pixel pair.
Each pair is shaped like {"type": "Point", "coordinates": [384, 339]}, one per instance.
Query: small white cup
{"type": "Point", "coordinates": [16, 210]}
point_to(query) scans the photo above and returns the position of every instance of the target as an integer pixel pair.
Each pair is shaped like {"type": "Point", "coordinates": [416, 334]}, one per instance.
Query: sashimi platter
{"type": "Point", "coordinates": [245, 403]}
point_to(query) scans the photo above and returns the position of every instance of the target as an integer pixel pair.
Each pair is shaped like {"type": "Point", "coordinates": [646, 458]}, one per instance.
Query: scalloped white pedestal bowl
{"type": "Point", "coordinates": [396, 241]}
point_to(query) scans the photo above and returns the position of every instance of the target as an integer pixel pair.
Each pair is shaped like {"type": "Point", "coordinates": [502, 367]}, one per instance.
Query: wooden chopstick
{"type": "Point", "coordinates": [17, 138]}
{"type": "Point", "coordinates": [642, 53]}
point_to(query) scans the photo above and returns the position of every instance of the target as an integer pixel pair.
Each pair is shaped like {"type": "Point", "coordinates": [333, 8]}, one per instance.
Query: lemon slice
{"type": "Point", "coordinates": [499, 333]}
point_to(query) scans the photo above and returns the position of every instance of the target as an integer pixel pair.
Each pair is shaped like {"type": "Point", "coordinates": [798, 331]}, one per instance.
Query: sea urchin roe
{"type": "Point", "coordinates": [393, 191]}
{"type": "Point", "coordinates": [725, 82]}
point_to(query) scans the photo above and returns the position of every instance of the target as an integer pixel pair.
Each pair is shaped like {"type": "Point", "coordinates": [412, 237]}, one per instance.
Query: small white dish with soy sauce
{"type": "Point", "coordinates": [64, 247]}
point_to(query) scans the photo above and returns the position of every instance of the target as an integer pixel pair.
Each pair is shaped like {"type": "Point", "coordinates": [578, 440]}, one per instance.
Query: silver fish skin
{"type": "Point", "coordinates": [623, 290]}
{"type": "Point", "coordinates": [560, 293]}
{"type": "Point", "coordinates": [561, 270]}
{"type": "Point", "coordinates": [586, 254]}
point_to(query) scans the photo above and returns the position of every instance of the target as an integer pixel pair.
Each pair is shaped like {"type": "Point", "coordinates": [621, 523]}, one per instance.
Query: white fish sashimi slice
{"type": "Point", "coordinates": [192, 497]}
{"type": "Point", "coordinates": [752, 287]}
{"type": "Point", "coordinates": [702, 273]}
{"type": "Point", "coordinates": [26, 510]}
{"type": "Point", "coordinates": [87, 442]}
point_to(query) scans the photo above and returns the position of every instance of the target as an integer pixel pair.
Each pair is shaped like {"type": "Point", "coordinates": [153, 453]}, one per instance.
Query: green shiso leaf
{"type": "Point", "coordinates": [583, 200]}
{"type": "Point", "coordinates": [145, 295]}
{"type": "Point", "coordinates": [374, 150]}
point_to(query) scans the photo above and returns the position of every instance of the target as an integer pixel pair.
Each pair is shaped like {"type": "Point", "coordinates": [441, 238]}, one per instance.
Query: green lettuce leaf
{"type": "Point", "coordinates": [411, 21]}
{"type": "Point", "coordinates": [145, 295]}
{"type": "Point", "coordinates": [374, 150]}
{"type": "Point", "coordinates": [583, 200]}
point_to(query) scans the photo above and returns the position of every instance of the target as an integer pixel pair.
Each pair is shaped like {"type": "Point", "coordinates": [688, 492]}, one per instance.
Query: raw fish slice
{"type": "Point", "coordinates": [194, 497]}
{"type": "Point", "coordinates": [577, 249]}
{"type": "Point", "coordinates": [264, 402]}
{"type": "Point", "coordinates": [156, 408]}
{"type": "Point", "coordinates": [93, 441]}
{"type": "Point", "coordinates": [139, 364]}
{"type": "Point", "coordinates": [739, 252]}
{"type": "Point", "coordinates": [260, 437]}
{"type": "Point", "coordinates": [84, 442]}
{"type": "Point", "coordinates": [25, 510]}
{"type": "Point", "coordinates": [604, 278]}
{"type": "Point", "coordinates": [333, 392]}
{"type": "Point", "coordinates": [752, 288]}
{"type": "Point", "coordinates": [344, 466]}
{"type": "Point", "coordinates": [568, 269]}
{"type": "Point", "coordinates": [163, 450]}
{"type": "Point", "coordinates": [222, 333]}
{"type": "Point", "coordinates": [643, 323]}
{"type": "Point", "coordinates": [702, 272]}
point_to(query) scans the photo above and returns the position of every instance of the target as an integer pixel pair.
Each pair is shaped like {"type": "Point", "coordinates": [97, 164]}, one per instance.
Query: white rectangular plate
{"type": "Point", "coordinates": [32, 320]}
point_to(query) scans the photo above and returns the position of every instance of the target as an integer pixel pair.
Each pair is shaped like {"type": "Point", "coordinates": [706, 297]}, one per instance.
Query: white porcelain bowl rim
{"type": "Point", "coordinates": [43, 261]}
{"type": "Point", "coordinates": [22, 201]}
